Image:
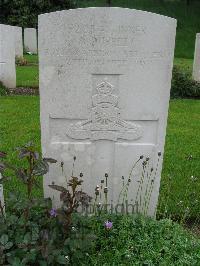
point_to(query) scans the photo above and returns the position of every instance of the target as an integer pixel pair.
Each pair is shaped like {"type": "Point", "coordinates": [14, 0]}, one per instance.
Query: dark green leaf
{"type": "Point", "coordinates": [8, 245]}
{"type": "Point", "coordinates": [27, 238]}
{"type": "Point", "coordinates": [16, 262]}
{"type": "Point", "coordinates": [3, 239]}
{"type": "Point", "coordinates": [50, 160]}
{"type": "Point", "coordinates": [58, 188]}
{"type": "Point", "coordinates": [40, 168]}
{"type": "Point", "coordinates": [43, 263]}
{"type": "Point", "coordinates": [61, 259]}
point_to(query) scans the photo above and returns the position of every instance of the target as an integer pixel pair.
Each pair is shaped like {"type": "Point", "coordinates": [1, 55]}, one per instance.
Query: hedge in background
{"type": "Point", "coordinates": [25, 12]}
{"type": "Point", "coordinates": [3, 89]}
{"type": "Point", "coordinates": [183, 86]}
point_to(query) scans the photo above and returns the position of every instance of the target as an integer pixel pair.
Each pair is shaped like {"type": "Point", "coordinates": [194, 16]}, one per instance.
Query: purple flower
{"type": "Point", "coordinates": [53, 212]}
{"type": "Point", "coordinates": [108, 225]}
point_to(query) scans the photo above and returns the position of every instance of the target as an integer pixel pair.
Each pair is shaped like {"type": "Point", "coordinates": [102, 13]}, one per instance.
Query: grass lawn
{"type": "Point", "coordinates": [19, 118]}
{"type": "Point", "coordinates": [27, 76]}
{"type": "Point", "coordinates": [184, 64]}
{"type": "Point", "coordinates": [182, 157]}
{"type": "Point", "coordinates": [31, 58]}
{"type": "Point", "coordinates": [20, 125]}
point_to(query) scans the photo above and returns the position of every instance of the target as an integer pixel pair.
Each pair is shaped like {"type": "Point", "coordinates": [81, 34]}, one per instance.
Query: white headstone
{"type": "Point", "coordinates": [105, 76]}
{"type": "Point", "coordinates": [7, 56]}
{"type": "Point", "coordinates": [18, 41]}
{"type": "Point", "coordinates": [30, 40]}
{"type": "Point", "coordinates": [1, 197]}
{"type": "Point", "coordinates": [196, 64]}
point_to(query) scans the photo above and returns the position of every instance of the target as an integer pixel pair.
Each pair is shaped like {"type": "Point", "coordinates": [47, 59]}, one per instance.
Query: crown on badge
{"type": "Point", "coordinates": [104, 96]}
{"type": "Point", "coordinates": [105, 87]}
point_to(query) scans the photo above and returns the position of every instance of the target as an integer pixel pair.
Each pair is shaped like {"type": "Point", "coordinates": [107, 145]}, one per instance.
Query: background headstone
{"type": "Point", "coordinates": [30, 40]}
{"type": "Point", "coordinates": [196, 64]}
{"type": "Point", "coordinates": [105, 76]}
{"type": "Point", "coordinates": [18, 41]}
{"type": "Point", "coordinates": [2, 196]}
{"type": "Point", "coordinates": [7, 56]}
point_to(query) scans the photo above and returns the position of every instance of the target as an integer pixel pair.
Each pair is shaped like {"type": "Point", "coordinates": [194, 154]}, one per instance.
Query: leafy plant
{"type": "Point", "coordinates": [35, 166]}
{"type": "Point", "coordinates": [34, 233]}
{"type": "Point", "coordinates": [183, 86]}
{"type": "Point", "coordinates": [140, 202]}
{"type": "Point", "coordinates": [3, 89]}
{"type": "Point", "coordinates": [71, 198]}
{"type": "Point", "coordinates": [41, 240]}
{"type": "Point", "coordinates": [136, 240]}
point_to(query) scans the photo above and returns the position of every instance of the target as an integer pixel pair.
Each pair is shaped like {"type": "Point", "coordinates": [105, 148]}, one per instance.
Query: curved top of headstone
{"type": "Point", "coordinates": [110, 10]}
{"type": "Point", "coordinates": [147, 26]}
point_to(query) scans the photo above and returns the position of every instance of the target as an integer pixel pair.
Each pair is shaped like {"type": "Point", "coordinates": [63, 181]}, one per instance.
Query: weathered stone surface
{"type": "Point", "coordinates": [30, 40]}
{"type": "Point", "coordinates": [7, 56]}
{"type": "Point", "coordinates": [18, 41]}
{"type": "Point", "coordinates": [105, 76]}
{"type": "Point", "coordinates": [196, 64]}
